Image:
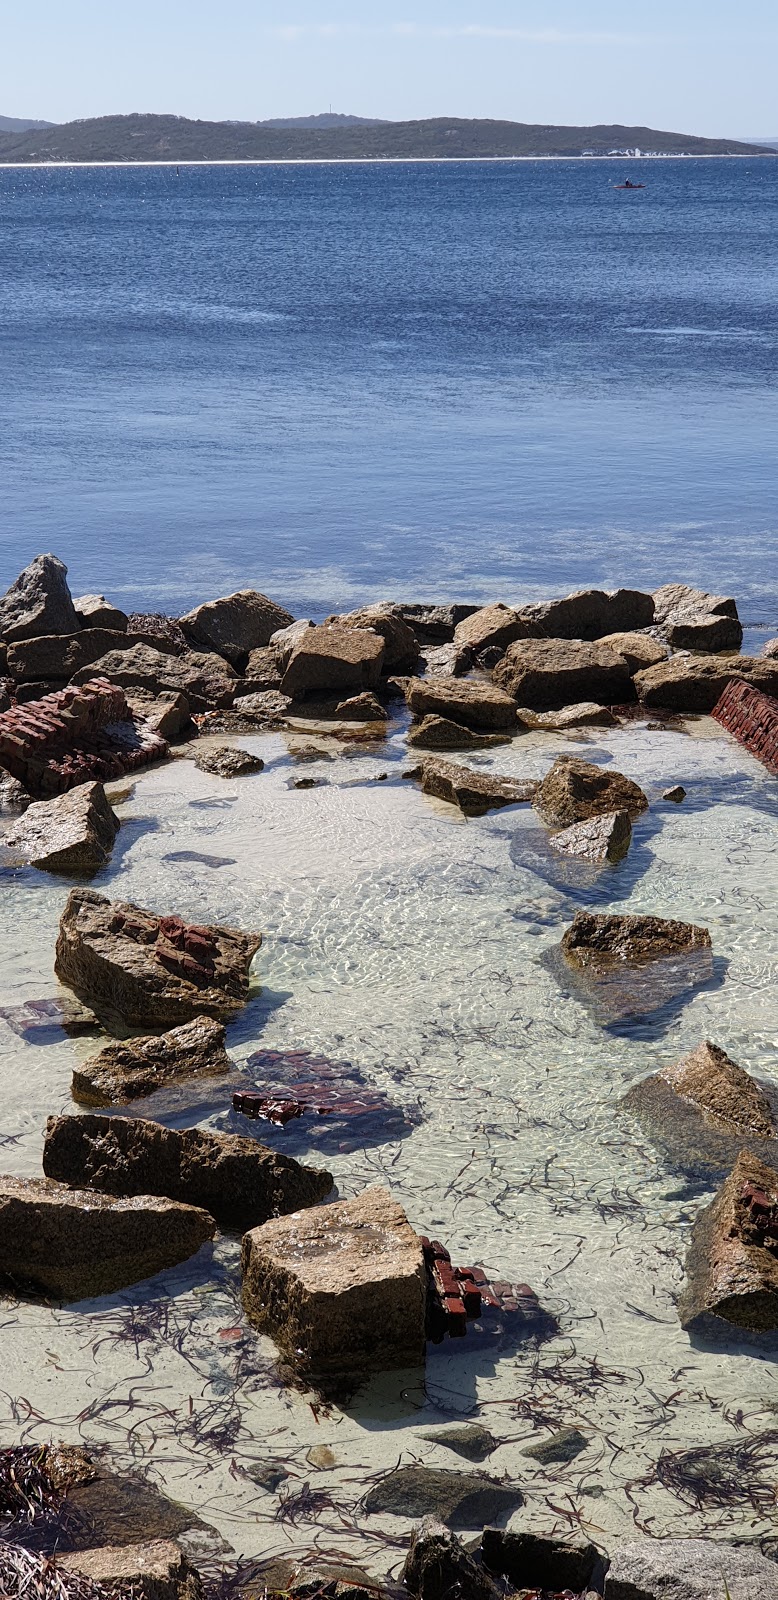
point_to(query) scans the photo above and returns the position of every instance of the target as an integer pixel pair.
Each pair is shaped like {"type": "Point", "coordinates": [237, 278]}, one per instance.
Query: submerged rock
{"type": "Point", "coordinates": [564, 1445]}
{"type": "Point", "coordinates": [574, 790]}
{"type": "Point", "coordinates": [634, 965]}
{"type": "Point", "coordinates": [701, 1108]}
{"type": "Point", "coordinates": [546, 674]}
{"type": "Point", "coordinates": [601, 839]}
{"type": "Point", "coordinates": [132, 1071]}
{"type": "Point", "coordinates": [467, 1439]}
{"type": "Point", "coordinates": [548, 1562]}
{"type": "Point", "coordinates": [72, 1244]}
{"type": "Point", "coordinates": [689, 1569]}
{"type": "Point", "coordinates": [694, 683]}
{"type": "Point", "coordinates": [438, 1567]}
{"type": "Point", "coordinates": [474, 792]}
{"type": "Point", "coordinates": [341, 1289]}
{"type": "Point", "coordinates": [458, 1499]}
{"type": "Point", "coordinates": [38, 601]}
{"type": "Point", "coordinates": [136, 969]}
{"type": "Point", "coordinates": [236, 624]}
{"type": "Point", "coordinates": [157, 1570]}
{"type": "Point", "coordinates": [240, 1182]}
{"type": "Point", "coordinates": [227, 761]}
{"type": "Point", "coordinates": [332, 658]}
{"type": "Point", "coordinates": [467, 701]}
{"type": "Point", "coordinates": [72, 833]}
{"type": "Point", "coordinates": [440, 733]}
{"type": "Point", "coordinates": [732, 1262]}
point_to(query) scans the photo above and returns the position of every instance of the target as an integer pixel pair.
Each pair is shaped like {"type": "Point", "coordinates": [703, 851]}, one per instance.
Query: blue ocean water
{"type": "Point", "coordinates": [336, 383]}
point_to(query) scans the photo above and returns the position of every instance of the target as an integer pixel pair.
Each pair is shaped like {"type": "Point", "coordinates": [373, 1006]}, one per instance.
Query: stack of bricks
{"type": "Point", "coordinates": [752, 718]}
{"type": "Point", "coordinates": [458, 1295]}
{"type": "Point", "coordinates": [74, 736]}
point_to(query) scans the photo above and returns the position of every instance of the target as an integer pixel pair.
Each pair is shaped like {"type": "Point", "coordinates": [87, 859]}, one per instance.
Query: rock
{"type": "Point", "coordinates": [333, 658]}
{"type": "Point", "coordinates": [458, 1499]}
{"type": "Point", "coordinates": [440, 733]}
{"type": "Point", "coordinates": [692, 630]}
{"type": "Point", "coordinates": [240, 1182]}
{"type": "Point", "coordinates": [55, 657]}
{"type": "Point", "coordinates": [284, 640]}
{"type": "Point", "coordinates": [72, 833]}
{"type": "Point", "coordinates": [236, 624]}
{"type": "Point", "coordinates": [72, 1244]}
{"type": "Point", "coordinates": [6, 689]}
{"type": "Point", "coordinates": [438, 1567]}
{"type": "Point", "coordinates": [320, 1579]}
{"type": "Point", "coordinates": [140, 970]}
{"type": "Point", "coordinates": [38, 601]}
{"type": "Point", "coordinates": [732, 1262]}
{"type": "Point", "coordinates": [123, 1509]}
{"type": "Point", "coordinates": [586, 715]}
{"type": "Point", "coordinates": [132, 1071]}
{"type": "Point", "coordinates": [13, 795]}
{"type": "Point", "coordinates": [226, 761]}
{"type": "Point", "coordinates": [588, 614]}
{"type": "Point", "coordinates": [677, 794]}
{"type": "Point", "coordinates": [470, 702]}
{"type": "Point", "coordinates": [601, 839]}
{"type": "Point", "coordinates": [401, 648]}
{"type": "Point", "coordinates": [535, 1561]}
{"type": "Point", "coordinates": [155, 1571]}
{"type": "Point", "coordinates": [474, 792]}
{"type": "Point", "coordinates": [638, 649]}
{"type": "Point", "coordinates": [722, 1090]}
{"type": "Point", "coordinates": [634, 965]}
{"type": "Point", "coordinates": [689, 1569]}
{"type": "Point", "coordinates": [342, 1289]}
{"type": "Point", "coordinates": [262, 672]}
{"type": "Point", "coordinates": [94, 611]}
{"type": "Point", "coordinates": [361, 708]}
{"type": "Point", "coordinates": [573, 790]}
{"type": "Point", "coordinates": [681, 597]}
{"type": "Point", "coordinates": [207, 680]}
{"type": "Point", "coordinates": [564, 1445]}
{"type": "Point", "coordinates": [160, 631]}
{"type": "Point", "coordinates": [546, 674]}
{"type": "Point", "coordinates": [701, 1108]}
{"type": "Point", "coordinates": [695, 683]}
{"type": "Point", "coordinates": [770, 649]}
{"type": "Point", "coordinates": [435, 624]}
{"type": "Point", "coordinates": [493, 627]}
{"type": "Point", "coordinates": [270, 709]}
{"type": "Point", "coordinates": [446, 661]}
{"type": "Point", "coordinates": [168, 714]}
{"type": "Point", "coordinates": [468, 1439]}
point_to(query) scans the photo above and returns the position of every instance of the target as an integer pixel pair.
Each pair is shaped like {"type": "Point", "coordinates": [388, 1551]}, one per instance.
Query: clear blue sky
{"type": "Point", "coordinates": [703, 66]}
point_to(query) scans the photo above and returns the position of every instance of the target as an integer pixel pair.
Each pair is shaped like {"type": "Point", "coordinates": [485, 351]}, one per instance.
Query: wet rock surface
{"type": "Point", "coordinates": [573, 791]}
{"type": "Point", "coordinates": [73, 833]}
{"type": "Point", "coordinates": [440, 733]}
{"type": "Point", "coordinates": [534, 1561]}
{"type": "Point", "coordinates": [473, 792]}
{"type": "Point", "coordinates": [340, 1289]}
{"type": "Point", "coordinates": [122, 1073]}
{"type": "Point", "coordinates": [634, 965]}
{"type": "Point", "coordinates": [71, 1244]}
{"type": "Point", "coordinates": [334, 658]}
{"type": "Point", "coordinates": [732, 1262]}
{"type": "Point", "coordinates": [332, 1103]}
{"type": "Point", "coordinates": [689, 1569]}
{"type": "Point", "coordinates": [236, 624]}
{"type": "Point", "coordinates": [438, 1567]}
{"type": "Point", "coordinates": [602, 839]}
{"type": "Point", "coordinates": [457, 1499]}
{"type": "Point", "coordinates": [722, 1091]}
{"type": "Point", "coordinates": [700, 1109]}
{"type": "Point", "coordinates": [135, 969]}
{"type": "Point", "coordinates": [588, 714]}
{"type": "Point", "coordinates": [226, 761]}
{"type": "Point", "coordinates": [548, 674]}
{"type": "Point", "coordinates": [472, 703]}
{"type": "Point", "coordinates": [38, 601]}
{"type": "Point", "coordinates": [241, 1183]}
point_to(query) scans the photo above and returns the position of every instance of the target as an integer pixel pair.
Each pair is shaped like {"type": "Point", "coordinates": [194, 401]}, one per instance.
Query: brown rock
{"type": "Point", "coordinates": [57, 656]}
{"type": "Point", "coordinates": [638, 649]}
{"type": "Point", "coordinates": [361, 708]}
{"type": "Point", "coordinates": [262, 672]}
{"type": "Point", "coordinates": [770, 649]}
{"type": "Point", "coordinates": [137, 970]}
{"type": "Point", "coordinates": [226, 761]}
{"type": "Point", "coordinates": [674, 597]}
{"type": "Point", "coordinates": [167, 714]}
{"type": "Point", "coordinates": [207, 680]}
{"type": "Point", "coordinates": [633, 965]}
{"type": "Point", "coordinates": [240, 1182]}
{"type": "Point", "coordinates": [471, 702]}
{"type": "Point", "coordinates": [160, 631]}
{"type": "Point", "coordinates": [691, 630]}
{"type": "Point", "coordinates": [586, 715]}
{"type": "Point", "coordinates": [694, 683]}
{"type": "Point", "coordinates": [536, 1561]}
{"type": "Point", "coordinates": [284, 640]}
{"type": "Point", "coordinates": [493, 627]}
{"type": "Point", "coordinates": [333, 658]}
{"type": "Point", "coordinates": [268, 709]}
{"type": "Point", "coordinates": [72, 1244]}
{"type": "Point", "coordinates": [588, 614]}
{"type": "Point", "coordinates": [446, 661]}
{"type": "Point", "coordinates": [732, 1263]}
{"type": "Point", "coordinates": [72, 833]}
{"type": "Point", "coordinates": [438, 1566]}
{"type": "Point", "coordinates": [593, 939]}
{"type": "Point", "coordinates": [440, 733]}
{"type": "Point", "coordinates": [401, 649]}
{"type": "Point", "coordinates": [550, 673]}
{"type": "Point", "coordinates": [154, 1571]}
{"type": "Point", "coordinates": [574, 790]}
{"type": "Point", "coordinates": [38, 601]}
{"type": "Point", "coordinates": [474, 792]}
{"type": "Point", "coordinates": [602, 838]}
{"type": "Point", "coordinates": [94, 611]}
{"type": "Point", "coordinates": [125, 1072]}
{"type": "Point", "coordinates": [676, 794]}
{"type": "Point", "coordinates": [434, 624]}
{"type": "Point", "coordinates": [236, 624]}
{"type": "Point", "coordinates": [722, 1091]}
{"type": "Point", "coordinates": [341, 1289]}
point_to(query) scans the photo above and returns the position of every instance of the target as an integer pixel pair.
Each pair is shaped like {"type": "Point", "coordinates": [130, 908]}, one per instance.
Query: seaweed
{"type": "Point", "coordinates": [27, 1576]}
{"type": "Point", "coordinates": [725, 1474]}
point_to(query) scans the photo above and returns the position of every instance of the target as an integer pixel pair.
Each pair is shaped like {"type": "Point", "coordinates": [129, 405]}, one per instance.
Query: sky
{"type": "Point", "coordinates": [697, 66]}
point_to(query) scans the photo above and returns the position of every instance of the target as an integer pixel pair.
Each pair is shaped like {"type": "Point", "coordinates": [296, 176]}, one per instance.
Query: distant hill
{"type": "Point", "coordinates": [21, 124]}
{"type": "Point", "coordinates": [325, 119]}
{"type": "Point", "coordinates": [167, 138]}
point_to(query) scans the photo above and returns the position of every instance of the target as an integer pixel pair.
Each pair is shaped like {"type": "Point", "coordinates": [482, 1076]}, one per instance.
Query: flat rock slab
{"type": "Point", "coordinates": [457, 1499]}
{"type": "Point", "coordinates": [334, 658]}
{"type": "Point", "coordinates": [72, 833]}
{"type": "Point", "coordinates": [341, 1289]}
{"type": "Point", "coordinates": [73, 1244]}
{"type": "Point", "coordinates": [471, 702]}
{"type": "Point", "coordinates": [574, 790]}
{"type": "Point", "coordinates": [441, 733]}
{"type": "Point", "coordinates": [157, 1570]}
{"type": "Point", "coordinates": [586, 715]}
{"type": "Point", "coordinates": [732, 1262]}
{"type": "Point", "coordinates": [236, 624]}
{"type": "Point", "coordinates": [474, 792]}
{"type": "Point", "coordinates": [602, 839]}
{"type": "Point", "coordinates": [136, 969]}
{"type": "Point", "coordinates": [535, 1561]}
{"type": "Point", "coordinates": [546, 674]}
{"type": "Point", "coordinates": [689, 1569]}
{"type": "Point", "coordinates": [700, 1109]}
{"type": "Point", "coordinates": [240, 1182]}
{"type": "Point", "coordinates": [634, 966]}
{"type": "Point", "coordinates": [695, 683]}
{"type": "Point", "coordinates": [122, 1073]}
{"type": "Point", "coordinates": [38, 601]}
{"type": "Point", "coordinates": [226, 761]}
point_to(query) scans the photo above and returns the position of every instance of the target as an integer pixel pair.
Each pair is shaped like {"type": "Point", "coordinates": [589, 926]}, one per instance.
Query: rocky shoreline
{"type": "Point", "coordinates": [345, 1289]}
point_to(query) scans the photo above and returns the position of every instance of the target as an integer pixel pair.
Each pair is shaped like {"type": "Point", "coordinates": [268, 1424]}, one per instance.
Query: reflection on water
{"type": "Point", "coordinates": [411, 944]}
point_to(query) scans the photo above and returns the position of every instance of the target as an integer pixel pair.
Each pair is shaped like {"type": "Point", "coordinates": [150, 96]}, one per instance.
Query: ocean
{"type": "Point", "coordinates": [422, 381]}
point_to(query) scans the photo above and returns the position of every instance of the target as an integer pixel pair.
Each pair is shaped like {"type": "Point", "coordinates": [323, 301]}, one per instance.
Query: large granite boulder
{"type": "Point", "coordinates": [72, 833]}
{"type": "Point", "coordinates": [550, 673]}
{"type": "Point", "coordinates": [493, 627]}
{"type": "Point", "coordinates": [732, 1262]}
{"type": "Point", "coordinates": [588, 614]}
{"type": "Point", "coordinates": [438, 1567]}
{"type": "Point", "coordinates": [474, 792]}
{"type": "Point", "coordinates": [55, 657]}
{"type": "Point", "coordinates": [240, 1182]}
{"type": "Point", "coordinates": [638, 649]}
{"type": "Point", "coordinates": [94, 611]}
{"type": "Point", "coordinates": [236, 624]}
{"type": "Point", "coordinates": [334, 658]}
{"type": "Point", "coordinates": [440, 733]}
{"type": "Point", "coordinates": [701, 1109]}
{"type": "Point", "coordinates": [208, 681]}
{"type": "Point", "coordinates": [628, 966]}
{"type": "Point", "coordinates": [694, 683]}
{"type": "Point", "coordinates": [401, 647]}
{"type": "Point", "coordinates": [457, 1499]}
{"type": "Point", "coordinates": [38, 601]}
{"type": "Point", "coordinates": [138, 970]}
{"type": "Point", "coordinates": [341, 1289]}
{"type": "Point", "coordinates": [73, 1244]}
{"type": "Point", "coordinates": [131, 1071]}
{"type": "Point", "coordinates": [599, 840]}
{"type": "Point", "coordinates": [538, 1561]}
{"type": "Point", "coordinates": [468, 701]}
{"type": "Point", "coordinates": [689, 1569]}
{"type": "Point", "coordinates": [158, 1570]}
{"type": "Point", "coordinates": [574, 790]}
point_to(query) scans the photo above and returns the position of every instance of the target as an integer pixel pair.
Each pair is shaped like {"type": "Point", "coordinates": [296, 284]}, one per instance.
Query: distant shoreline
{"type": "Point", "coordinates": [377, 161]}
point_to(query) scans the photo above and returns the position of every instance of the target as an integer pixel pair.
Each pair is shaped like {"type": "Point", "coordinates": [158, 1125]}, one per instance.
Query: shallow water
{"type": "Point", "coordinates": [408, 941]}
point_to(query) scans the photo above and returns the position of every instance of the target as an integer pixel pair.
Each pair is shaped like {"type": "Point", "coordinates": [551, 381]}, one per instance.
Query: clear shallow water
{"type": "Point", "coordinates": [410, 942]}
{"type": "Point", "coordinates": [427, 381]}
